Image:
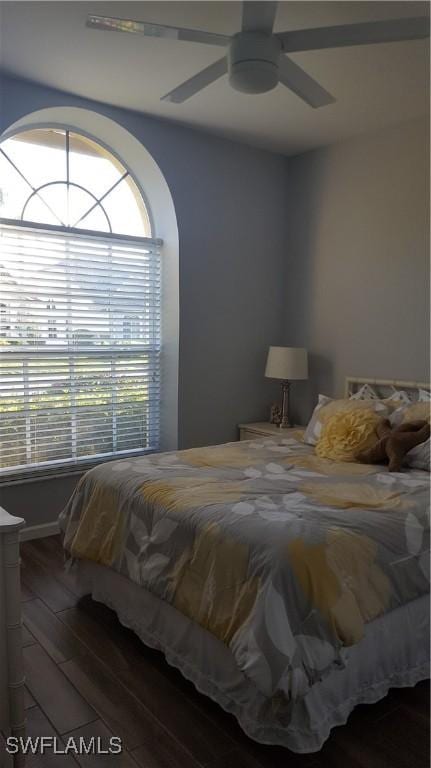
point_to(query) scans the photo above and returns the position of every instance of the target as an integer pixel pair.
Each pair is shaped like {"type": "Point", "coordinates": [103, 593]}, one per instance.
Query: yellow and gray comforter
{"type": "Point", "coordinates": [281, 555]}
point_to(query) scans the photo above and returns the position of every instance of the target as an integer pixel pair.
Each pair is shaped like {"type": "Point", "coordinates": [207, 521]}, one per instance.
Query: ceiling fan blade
{"type": "Point", "coordinates": [197, 82]}
{"type": "Point", "coordinates": [389, 31]}
{"type": "Point", "coordinates": [302, 84]}
{"type": "Point", "coordinates": [156, 30]}
{"type": "Point", "coordinates": [258, 16]}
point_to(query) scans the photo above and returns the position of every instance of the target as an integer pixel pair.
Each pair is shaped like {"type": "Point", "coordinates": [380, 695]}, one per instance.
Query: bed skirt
{"type": "Point", "coordinates": [393, 653]}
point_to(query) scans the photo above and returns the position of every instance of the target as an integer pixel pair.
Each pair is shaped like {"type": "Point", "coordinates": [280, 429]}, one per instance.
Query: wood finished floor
{"type": "Point", "coordinates": [86, 675]}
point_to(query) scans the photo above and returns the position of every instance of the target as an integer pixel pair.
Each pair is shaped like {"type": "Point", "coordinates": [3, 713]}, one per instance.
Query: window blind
{"type": "Point", "coordinates": [79, 347]}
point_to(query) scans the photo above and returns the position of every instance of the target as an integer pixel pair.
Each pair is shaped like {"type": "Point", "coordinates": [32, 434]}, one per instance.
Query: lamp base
{"type": "Point", "coordinates": [285, 423]}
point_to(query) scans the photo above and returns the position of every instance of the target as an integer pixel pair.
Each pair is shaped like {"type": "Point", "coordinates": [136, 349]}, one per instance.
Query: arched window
{"type": "Point", "coordinates": [80, 305]}
{"type": "Point", "coordinates": [62, 178]}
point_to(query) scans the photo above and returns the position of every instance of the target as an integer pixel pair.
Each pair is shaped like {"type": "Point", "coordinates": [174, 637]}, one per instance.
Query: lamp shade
{"type": "Point", "coordinates": [287, 363]}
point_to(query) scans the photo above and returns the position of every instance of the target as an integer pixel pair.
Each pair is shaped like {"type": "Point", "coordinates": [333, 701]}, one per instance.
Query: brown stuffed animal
{"type": "Point", "coordinates": [393, 444]}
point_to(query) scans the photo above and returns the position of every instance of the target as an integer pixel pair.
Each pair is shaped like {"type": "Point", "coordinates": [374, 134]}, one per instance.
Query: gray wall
{"type": "Point", "coordinates": [38, 502]}
{"type": "Point", "coordinates": [231, 204]}
{"type": "Point", "coordinates": [358, 267]}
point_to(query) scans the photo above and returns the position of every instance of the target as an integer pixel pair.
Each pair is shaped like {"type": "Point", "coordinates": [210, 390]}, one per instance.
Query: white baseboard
{"type": "Point", "coordinates": [39, 531]}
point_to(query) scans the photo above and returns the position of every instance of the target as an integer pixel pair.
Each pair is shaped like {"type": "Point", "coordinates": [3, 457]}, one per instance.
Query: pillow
{"type": "Point", "coordinates": [414, 412]}
{"type": "Point", "coordinates": [365, 393]}
{"type": "Point", "coordinates": [397, 399]}
{"type": "Point", "coordinates": [312, 432]}
{"type": "Point", "coordinates": [347, 432]}
{"type": "Point", "coordinates": [419, 457]}
{"type": "Point", "coordinates": [327, 407]}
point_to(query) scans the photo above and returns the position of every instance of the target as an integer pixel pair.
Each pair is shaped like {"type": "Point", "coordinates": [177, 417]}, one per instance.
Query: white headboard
{"type": "Point", "coordinates": [384, 387]}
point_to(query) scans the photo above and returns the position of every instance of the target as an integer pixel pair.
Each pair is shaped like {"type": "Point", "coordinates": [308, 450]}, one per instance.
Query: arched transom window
{"type": "Point", "coordinates": [79, 305]}
{"type": "Point", "coordinates": [62, 178]}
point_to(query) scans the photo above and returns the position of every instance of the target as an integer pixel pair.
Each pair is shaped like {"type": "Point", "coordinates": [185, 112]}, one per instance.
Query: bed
{"type": "Point", "coordinates": [286, 587]}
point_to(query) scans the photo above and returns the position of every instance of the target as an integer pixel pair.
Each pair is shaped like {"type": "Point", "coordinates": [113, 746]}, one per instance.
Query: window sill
{"type": "Point", "coordinates": [40, 475]}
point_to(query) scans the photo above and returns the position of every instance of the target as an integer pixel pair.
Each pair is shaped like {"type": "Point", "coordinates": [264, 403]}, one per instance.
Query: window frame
{"type": "Point", "coordinates": [76, 466]}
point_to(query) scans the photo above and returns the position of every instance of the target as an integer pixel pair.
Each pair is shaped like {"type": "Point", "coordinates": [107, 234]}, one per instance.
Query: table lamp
{"type": "Point", "coordinates": [288, 364]}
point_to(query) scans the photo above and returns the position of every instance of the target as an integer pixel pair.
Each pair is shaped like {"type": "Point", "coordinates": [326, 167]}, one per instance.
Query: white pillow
{"type": "Point", "coordinates": [365, 393]}
{"type": "Point", "coordinates": [398, 397]}
{"type": "Point", "coordinates": [368, 393]}
{"type": "Point", "coordinates": [314, 426]}
{"type": "Point", "coordinates": [419, 456]}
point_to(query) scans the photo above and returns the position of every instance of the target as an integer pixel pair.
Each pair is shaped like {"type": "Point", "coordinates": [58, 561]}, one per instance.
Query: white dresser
{"type": "Point", "coordinates": [12, 717]}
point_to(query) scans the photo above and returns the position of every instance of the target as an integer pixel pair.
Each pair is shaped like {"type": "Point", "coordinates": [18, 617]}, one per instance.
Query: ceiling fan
{"type": "Point", "coordinates": [256, 58]}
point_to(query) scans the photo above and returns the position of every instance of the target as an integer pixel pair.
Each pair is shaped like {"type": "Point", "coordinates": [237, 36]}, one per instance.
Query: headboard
{"type": "Point", "coordinates": [385, 387]}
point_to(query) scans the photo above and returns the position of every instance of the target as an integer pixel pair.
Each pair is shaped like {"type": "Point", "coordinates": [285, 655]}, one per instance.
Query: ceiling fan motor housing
{"type": "Point", "coordinates": [253, 62]}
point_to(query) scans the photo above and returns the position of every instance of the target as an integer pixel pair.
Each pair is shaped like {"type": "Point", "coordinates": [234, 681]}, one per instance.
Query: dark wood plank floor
{"type": "Point", "coordinates": [88, 676]}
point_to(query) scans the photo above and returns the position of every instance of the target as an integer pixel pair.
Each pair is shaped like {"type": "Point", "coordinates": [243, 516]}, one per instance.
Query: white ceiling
{"type": "Point", "coordinates": [375, 85]}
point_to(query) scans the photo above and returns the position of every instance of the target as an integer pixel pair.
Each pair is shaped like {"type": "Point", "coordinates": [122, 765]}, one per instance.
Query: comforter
{"type": "Point", "coordinates": [281, 555]}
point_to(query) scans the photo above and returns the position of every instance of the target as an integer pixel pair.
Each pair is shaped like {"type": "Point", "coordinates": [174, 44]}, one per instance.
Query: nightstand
{"type": "Point", "coordinates": [263, 428]}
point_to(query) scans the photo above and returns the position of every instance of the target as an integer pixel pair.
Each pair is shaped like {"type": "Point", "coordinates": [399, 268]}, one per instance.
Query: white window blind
{"type": "Point", "coordinates": [79, 347]}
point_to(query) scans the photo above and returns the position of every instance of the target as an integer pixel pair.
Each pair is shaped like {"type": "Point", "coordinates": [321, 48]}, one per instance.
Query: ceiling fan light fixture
{"type": "Point", "coordinates": [253, 62]}
{"type": "Point", "coordinates": [253, 76]}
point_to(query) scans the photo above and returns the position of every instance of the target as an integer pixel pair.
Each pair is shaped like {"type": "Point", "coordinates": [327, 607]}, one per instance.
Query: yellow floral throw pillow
{"type": "Point", "coordinates": [347, 432]}
{"type": "Point", "coordinates": [326, 408]}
